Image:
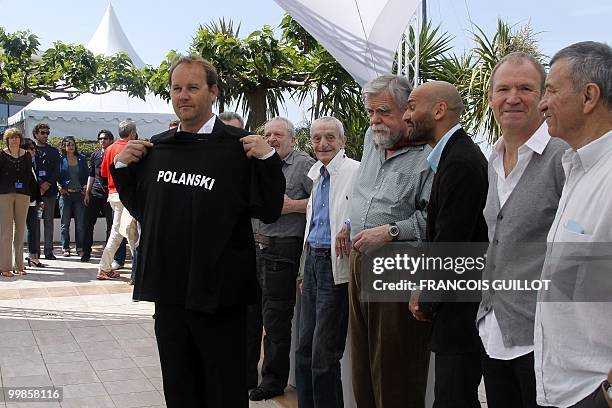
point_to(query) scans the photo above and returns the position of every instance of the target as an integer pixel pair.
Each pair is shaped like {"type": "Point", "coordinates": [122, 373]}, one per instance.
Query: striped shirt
{"type": "Point", "coordinates": [395, 189]}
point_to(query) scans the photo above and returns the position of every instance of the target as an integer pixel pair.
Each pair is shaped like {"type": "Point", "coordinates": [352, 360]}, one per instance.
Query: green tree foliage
{"type": "Point", "coordinates": [478, 65]}
{"type": "Point", "coordinates": [67, 70]}
{"type": "Point", "coordinates": [254, 70]}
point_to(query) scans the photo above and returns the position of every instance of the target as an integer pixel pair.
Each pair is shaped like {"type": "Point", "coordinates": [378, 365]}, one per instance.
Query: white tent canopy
{"type": "Point", "coordinates": [362, 35]}
{"type": "Point", "coordinates": [85, 115]}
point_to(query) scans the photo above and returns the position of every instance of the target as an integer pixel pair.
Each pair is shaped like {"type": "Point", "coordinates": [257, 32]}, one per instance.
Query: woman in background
{"type": "Point", "coordinates": [16, 183]}
{"type": "Point", "coordinates": [36, 205]}
{"type": "Point", "coordinates": [72, 182]}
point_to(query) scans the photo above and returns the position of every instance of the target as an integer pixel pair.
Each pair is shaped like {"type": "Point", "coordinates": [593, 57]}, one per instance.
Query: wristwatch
{"type": "Point", "coordinates": [394, 231]}
{"type": "Point", "coordinates": [608, 389]}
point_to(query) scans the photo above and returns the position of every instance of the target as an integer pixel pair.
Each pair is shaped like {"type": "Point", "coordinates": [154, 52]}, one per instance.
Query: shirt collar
{"type": "Point", "coordinates": [436, 154]}
{"type": "Point", "coordinates": [591, 153]}
{"type": "Point", "coordinates": [207, 128]}
{"type": "Point", "coordinates": [537, 142]}
{"type": "Point", "coordinates": [332, 166]}
{"type": "Point", "coordinates": [290, 157]}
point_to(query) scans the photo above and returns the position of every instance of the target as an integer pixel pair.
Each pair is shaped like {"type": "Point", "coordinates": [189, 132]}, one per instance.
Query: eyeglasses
{"type": "Point", "coordinates": [45, 132]}
{"type": "Point", "coordinates": [104, 138]}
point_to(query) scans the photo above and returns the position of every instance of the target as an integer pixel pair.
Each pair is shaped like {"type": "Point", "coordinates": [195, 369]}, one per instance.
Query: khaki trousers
{"type": "Point", "coordinates": [389, 350]}
{"type": "Point", "coordinates": [13, 214]}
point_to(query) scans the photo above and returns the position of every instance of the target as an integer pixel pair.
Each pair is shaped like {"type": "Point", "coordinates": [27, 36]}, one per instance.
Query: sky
{"type": "Point", "coordinates": [155, 27]}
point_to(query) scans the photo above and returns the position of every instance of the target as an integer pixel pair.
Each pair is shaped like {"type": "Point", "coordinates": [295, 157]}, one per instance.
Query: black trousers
{"type": "Point", "coordinates": [457, 378]}
{"type": "Point", "coordinates": [254, 331]}
{"type": "Point", "coordinates": [595, 400]}
{"type": "Point", "coordinates": [510, 383]}
{"type": "Point", "coordinates": [96, 205]}
{"type": "Point", "coordinates": [33, 223]}
{"type": "Point", "coordinates": [277, 268]}
{"type": "Point", "coordinates": [200, 359]}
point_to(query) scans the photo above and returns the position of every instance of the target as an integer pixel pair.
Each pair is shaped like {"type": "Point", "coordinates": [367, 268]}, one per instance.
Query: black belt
{"type": "Point", "coordinates": [74, 190]}
{"type": "Point", "coordinates": [319, 251]}
{"type": "Point", "coordinates": [272, 241]}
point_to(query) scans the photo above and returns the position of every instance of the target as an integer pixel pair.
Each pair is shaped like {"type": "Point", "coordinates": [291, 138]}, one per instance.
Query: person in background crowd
{"type": "Point", "coordinates": [389, 347]}
{"type": "Point", "coordinates": [47, 167]}
{"type": "Point", "coordinates": [71, 184]}
{"type": "Point", "coordinates": [174, 124]}
{"type": "Point", "coordinates": [323, 271]}
{"type": "Point", "coordinates": [572, 339]}
{"type": "Point", "coordinates": [36, 206]}
{"type": "Point", "coordinates": [127, 131]}
{"type": "Point", "coordinates": [16, 184]}
{"type": "Point", "coordinates": [96, 195]}
{"type": "Point", "coordinates": [525, 183]}
{"type": "Point", "coordinates": [279, 246]}
{"type": "Point", "coordinates": [232, 119]}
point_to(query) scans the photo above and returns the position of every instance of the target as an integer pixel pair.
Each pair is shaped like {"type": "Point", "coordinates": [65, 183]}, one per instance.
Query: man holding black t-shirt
{"type": "Point", "coordinates": [194, 191]}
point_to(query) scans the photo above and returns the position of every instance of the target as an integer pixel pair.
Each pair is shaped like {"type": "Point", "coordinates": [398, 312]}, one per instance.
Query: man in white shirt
{"type": "Point", "coordinates": [324, 270]}
{"type": "Point", "coordinates": [525, 182]}
{"type": "Point", "coordinates": [573, 339]}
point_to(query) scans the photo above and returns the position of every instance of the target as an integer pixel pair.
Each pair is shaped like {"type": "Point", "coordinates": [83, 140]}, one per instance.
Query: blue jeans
{"type": "Point", "coordinates": [322, 335]}
{"type": "Point", "coordinates": [72, 204]}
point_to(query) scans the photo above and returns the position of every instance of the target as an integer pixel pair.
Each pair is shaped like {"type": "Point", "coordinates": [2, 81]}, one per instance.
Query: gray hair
{"type": "Point", "coordinates": [518, 58]}
{"type": "Point", "coordinates": [227, 116]}
{"type": "Point", "coordinates": [287, 122]}
{"type": "Point", "coordinates": [327, 119]}
{"type": "Point", "coordinates": [589, 61]}
{"type": "Point", "coordinates": [126, 127]}
{"type": "Point", "coordinates": [398, 86]}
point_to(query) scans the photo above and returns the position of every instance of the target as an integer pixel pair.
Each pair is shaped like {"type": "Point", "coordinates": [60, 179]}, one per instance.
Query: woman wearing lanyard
{"type": "Point", "coordinates": [35, 211]}
{"type": "Point", "coordinates": [16, 183]}
{"type": "Point", "coordinates": [71, 182]}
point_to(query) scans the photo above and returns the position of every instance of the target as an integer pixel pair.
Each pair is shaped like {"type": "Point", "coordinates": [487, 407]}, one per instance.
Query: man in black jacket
{"type": "Point", "coordinates": [454, 214]}
{"type": "Point", "coordinates": [47, 165]}
{"type": "Point", "coordinates": [194, 194]}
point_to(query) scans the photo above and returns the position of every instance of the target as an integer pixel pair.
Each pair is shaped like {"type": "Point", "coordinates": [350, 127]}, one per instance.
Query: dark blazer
{"type": "Point", "coordinates": [454, 214]}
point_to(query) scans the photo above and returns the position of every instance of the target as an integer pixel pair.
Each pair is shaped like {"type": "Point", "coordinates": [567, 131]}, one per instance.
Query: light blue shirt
{"type": "Point", "coordinates": [320, 231]}
{"type": "Point", "coordinates": [434, 157]}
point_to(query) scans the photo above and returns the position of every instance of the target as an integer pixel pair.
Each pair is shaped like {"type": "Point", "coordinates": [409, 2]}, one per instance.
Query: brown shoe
{"type": "Point", "coordinates": [113, 275]}
{"type": "Point", "coordinates": [102, 275]}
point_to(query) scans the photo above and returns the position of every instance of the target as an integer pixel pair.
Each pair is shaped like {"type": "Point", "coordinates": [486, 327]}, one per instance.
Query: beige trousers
{"type": "Point", "coordinates": [13, 214]}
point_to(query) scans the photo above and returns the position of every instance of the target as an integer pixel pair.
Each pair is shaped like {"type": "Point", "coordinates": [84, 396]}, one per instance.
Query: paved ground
{"type": "Point", "coordinates": [60, 327]}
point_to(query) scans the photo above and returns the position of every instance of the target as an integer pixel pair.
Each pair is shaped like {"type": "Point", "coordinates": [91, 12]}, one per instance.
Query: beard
{"type": "Point", "coordinates": [421, 131]}
{"type": "Point", "coordinates": [383, 137]}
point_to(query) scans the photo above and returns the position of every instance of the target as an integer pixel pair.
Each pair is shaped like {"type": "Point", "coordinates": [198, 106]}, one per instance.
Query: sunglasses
{"type": "Point", "coordinates": [45, 132]}
{"type": "Point", "coordinates": [104, 138]}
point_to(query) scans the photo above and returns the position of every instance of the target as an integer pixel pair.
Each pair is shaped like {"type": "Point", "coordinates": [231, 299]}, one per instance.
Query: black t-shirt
{"type": "Point", "coordinates": [194, 196]}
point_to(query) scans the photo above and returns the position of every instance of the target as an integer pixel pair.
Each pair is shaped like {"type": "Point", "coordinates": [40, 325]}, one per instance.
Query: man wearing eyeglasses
{"type": "Point", "coordinates": [47, 167]}
{"type": "Point", "coordinates": [96, 194]}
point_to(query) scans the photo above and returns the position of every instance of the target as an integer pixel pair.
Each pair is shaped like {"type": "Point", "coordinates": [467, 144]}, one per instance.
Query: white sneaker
{"type": "Point", "coordinates": [116, 265]}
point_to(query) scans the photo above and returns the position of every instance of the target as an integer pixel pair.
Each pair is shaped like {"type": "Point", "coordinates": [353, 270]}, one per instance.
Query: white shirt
{"type": "Point", "coordinates": [488, 328]}
{"type": "Point", "coordinates": [342, 171]}
{"type": "Point", "coordinates": [573, 340]}
{"type": "Point", "coordinates": [206, 128]}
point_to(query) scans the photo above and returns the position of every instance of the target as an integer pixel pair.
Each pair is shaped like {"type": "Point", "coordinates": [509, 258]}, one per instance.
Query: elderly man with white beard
{"type": "Point", "coordinates": [389, 347]}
